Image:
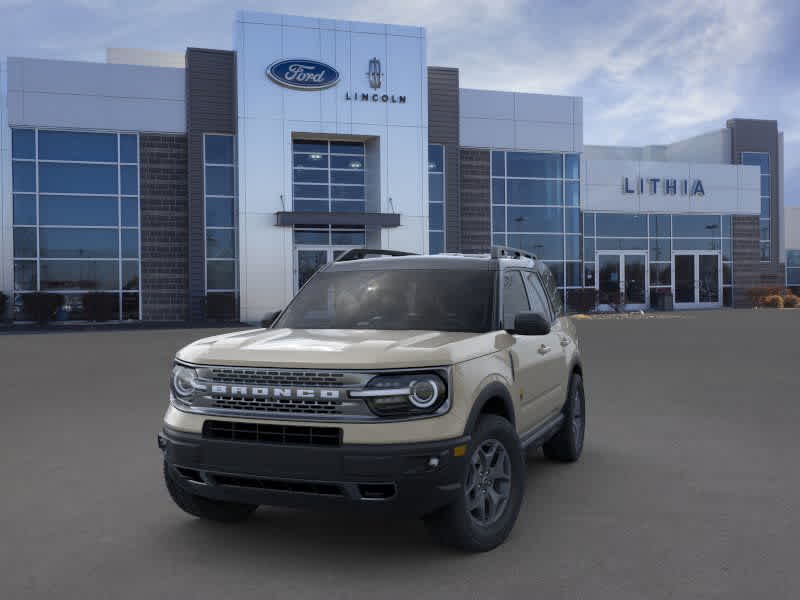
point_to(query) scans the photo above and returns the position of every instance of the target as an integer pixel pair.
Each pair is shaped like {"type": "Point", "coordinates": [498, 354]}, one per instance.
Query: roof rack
{"type": "Point", "coordinates": [359, 253]}
{"type": "Point", "coordinates": [508, 252]}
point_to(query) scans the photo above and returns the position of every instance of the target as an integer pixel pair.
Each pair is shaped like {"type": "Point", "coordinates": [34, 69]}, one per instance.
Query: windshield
{"type": "Point", "coordinates": [436, 300]}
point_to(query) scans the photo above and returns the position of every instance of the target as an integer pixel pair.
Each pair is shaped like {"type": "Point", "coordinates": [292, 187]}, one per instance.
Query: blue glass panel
{"type": "Point", "coordinates": [311, 205]}
{"type": "Point", "coordinates": [347, 192]}
{"type": "Point", "coordinates": [219, 212]}
{"type": "Point", "coordinates": [23, 143]}
{"type": "Point", "coordinates": [347, 148]}
{"type": "Point", "coordinates": [535, 220]}
{"type": "Point", "coordinates": [130, 212]}
{"type": "Point", "coordinates": [436, 216]}
{"type": "Point", "coordinates": [130, 307]}
{"type": "Point", "coordinates": [24, 209]}
{"type": "Point", "coordinates": [588, 274]}
{"type": "Point", "coordinates": [627, 225]}
{"type": "Point", "coordinates": [765, 208]}
{"type": "Point", "coordinates": [793, 277]}
{"type": "Point", "coordinates": [572, 220]}
{"type": "Point", "coordinates": [498, 218]}
{"type": "Point", "coordinates": [130, 243]}
{"type": "Point", "coordinates": [352, 177]}
{"type": "Point", "coordinates": [498, 191]}
{"type": "Point", "coordinates": [435, 243]}
{"type": "Point", "coordinates": [314, 161]}
{"type": "Point", "coordinates": [499, 239]}
{"type": "Point", "coordinates": [346, 162]}
{"type": "Point", "coordinates": [588, 224]}
{"type": "Point", "coordinates": [766, 251]}
{"type": "Point", "coordinates": [727, 274]}
{"type": "Point", "coordinates": [759, 159]}
{"type": "Point", "coordinates": [219, 149]}
{"type": "Point", "coordinates": [221, 274]}
{"type": "Point", "coordinates": [545, 247]}
{"type": "Point", "coordinates": [128, 148]}
{"type": "Point", "coordinates": [660, 249]}
{"type": "Point", "coordinates": [25, 242]}
{"type": "Point", "coordinates": [793, 258]}
{"type": "Point", "coordinates": [78, 243]}
{"type": "Point", "coordinates": [661, 274]}
{"type": "Point", "coordinates": [220, 243]}
{"type": "Point", "coordinates": [572, 245]}
{"type": "Point", "coordinates": [348, 206]}
{"type": "Point", "coordinates": [311, 175]}
{"type": "Point", "coordinates": [25, 275]}
{"type": "Point", "coordinates": [129, 180]}
{"type": "Point", "coordinates": [312, 237]}
{"type": "Point", "coordinates": [77, 179]}
{"type": "Point", "coordinates": [695, 226]}
{"type": "Point", "coordinates": [310, 191]}
{"type": "Point", "coordinates": [572, 190]}
{"type": "Point", "coordinates": [573, 274]}
{"type": "Point", "coordinates": [219, 181]}
{"type": "Point", "coordinates": [309, 146]}
{"type": "Point", "coordinates": [763, 229]}
{"type": "Point", "coordinates": [531, 164]}
{"type": "Point", "coordinates": [498, 163]}
{"type": "Point", "coordinates": [348, 238]}
{"type": "Point", "coordinates": [23, 176]}
{"type": "Point", "coordinates": [77, 210]}
{"type": "Point", "coordinates": [435, 158]}
{"type": "Point", "coordinates": [660, 226]}
{"type": "Point", "coordinates": [557, 269]}
{"type": "Point", "coordinates": [727, 226]}
{"type": "Point", "coordinates": [588, 249]}
{"type": "Point", "coordinates": [436, 187]}
{"type": "Point", "coordinates": [727, 249]}
{"type": "Point", "coordinates": [621, 244]}
{"type": "Point", "coordinates": [573, 166]}
{"type": "Point", "coordinates": [530, 191]}
{"type": "Point", "coordinates": [765, 185]}
{"type": "Point", "coordinates": [80, 275]}
{"type": "Point", "coordinates": [130, 274]}
{"type": "Point", "coordinates": [76, 145]}
{"type": "Point", "coordinates": [695, 244]}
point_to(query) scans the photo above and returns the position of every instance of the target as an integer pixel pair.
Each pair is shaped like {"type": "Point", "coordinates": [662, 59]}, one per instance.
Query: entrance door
{"type": "Point", "coordinates": [622, 280]}
{"type": "Point", "coordinates": [308, 260]}
{"type": "Point", "coordinates": [697, 279]}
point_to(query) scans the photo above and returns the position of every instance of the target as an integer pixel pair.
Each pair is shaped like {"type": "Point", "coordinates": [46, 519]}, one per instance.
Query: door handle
{"type": "Point", "coordinates": [544, 349]}
{"type": "Point", "coordinates": [564, 341]}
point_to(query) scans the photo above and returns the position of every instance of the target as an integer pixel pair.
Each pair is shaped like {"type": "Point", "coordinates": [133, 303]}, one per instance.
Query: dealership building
{"type": "Point", "coordinates": [212, 183]}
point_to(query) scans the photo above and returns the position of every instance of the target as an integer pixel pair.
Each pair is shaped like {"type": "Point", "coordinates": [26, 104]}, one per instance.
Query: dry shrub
{"type": "Point", "coordinates": [773, 301]}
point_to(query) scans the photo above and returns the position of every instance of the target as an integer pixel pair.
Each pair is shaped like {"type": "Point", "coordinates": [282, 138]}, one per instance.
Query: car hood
{"type": "Point", "coordinates": [339, 348]}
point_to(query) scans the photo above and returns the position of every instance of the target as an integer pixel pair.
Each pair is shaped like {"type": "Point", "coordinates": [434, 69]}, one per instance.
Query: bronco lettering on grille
{"type": "Point", "coordinates": [274, 392]}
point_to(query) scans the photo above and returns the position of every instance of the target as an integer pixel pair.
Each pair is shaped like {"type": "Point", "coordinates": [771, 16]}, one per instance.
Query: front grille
{"type": "Point", "coordinates": [280, 485]}
{"type": "Point", "coordinates": [273, 434]}
{"type": "Point", "coordinates": [278, 405]}
{"type": "Point", "coordinates": [267, 377]}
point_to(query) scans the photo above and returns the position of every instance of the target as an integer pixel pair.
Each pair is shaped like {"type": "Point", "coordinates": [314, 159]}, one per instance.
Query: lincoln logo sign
{"type": "Point", "coordinates": [669, 187]}
{"type": "Point", "coordinates": [302, 74]}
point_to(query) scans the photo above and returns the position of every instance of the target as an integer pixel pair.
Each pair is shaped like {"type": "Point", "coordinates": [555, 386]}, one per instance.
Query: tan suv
{"type": "Point", "coordinates": [391, 382]}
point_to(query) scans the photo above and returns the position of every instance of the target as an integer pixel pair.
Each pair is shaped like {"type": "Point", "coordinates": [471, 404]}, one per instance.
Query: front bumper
{"type": "Point", "coordinates": [413, 479]}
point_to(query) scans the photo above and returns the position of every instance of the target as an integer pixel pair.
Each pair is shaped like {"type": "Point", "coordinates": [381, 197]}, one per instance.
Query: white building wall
{"type": "Point", "coordinates": [145, 58]}
{"type": "Point", "coordinates": [82, 95]}
{"type": "Point", "coordinates": [269, 115]}
{"type": "Point", "coordinates": [519, 121]}
{"type": "Point", "coordinates": [6, 205]}
{"type": "Point", "coordinates": [713, 147]}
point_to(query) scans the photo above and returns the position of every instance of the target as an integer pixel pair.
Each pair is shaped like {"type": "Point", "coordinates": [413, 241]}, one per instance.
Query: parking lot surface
{"type": "Point", "coordinates": [688, 486]}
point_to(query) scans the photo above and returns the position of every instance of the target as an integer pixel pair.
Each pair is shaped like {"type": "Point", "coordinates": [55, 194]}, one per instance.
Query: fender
{"type": "Point", "coordinates": [492, 390]}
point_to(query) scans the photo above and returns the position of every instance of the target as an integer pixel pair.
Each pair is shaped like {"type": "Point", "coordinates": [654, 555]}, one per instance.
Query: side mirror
{"type": "Point", "coordinates": [269, 319]}
{"type": "Point", "coordinates": [530, 323]}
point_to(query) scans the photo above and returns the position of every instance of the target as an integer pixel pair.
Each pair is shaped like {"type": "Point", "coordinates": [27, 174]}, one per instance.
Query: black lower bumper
{"type": "Point", "coordinates": [413, 479]}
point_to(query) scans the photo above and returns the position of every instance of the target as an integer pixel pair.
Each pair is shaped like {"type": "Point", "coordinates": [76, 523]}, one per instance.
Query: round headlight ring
{"type": "Point", "coordinates": [183, 381]}
{"type": "Point", "coordinates": [424, 393]}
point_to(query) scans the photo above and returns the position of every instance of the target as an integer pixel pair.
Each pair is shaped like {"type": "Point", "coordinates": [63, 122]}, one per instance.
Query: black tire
{"type": "Point", "coordinates": [455, 525]}
{"type": "Point", "coordinates": [567, 444]}
{"type": "Point", "coordinates": [205, 508]}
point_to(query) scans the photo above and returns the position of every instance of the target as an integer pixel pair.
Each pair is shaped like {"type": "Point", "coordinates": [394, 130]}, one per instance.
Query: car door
{"type": "Point", "coordinates": [532, 356]}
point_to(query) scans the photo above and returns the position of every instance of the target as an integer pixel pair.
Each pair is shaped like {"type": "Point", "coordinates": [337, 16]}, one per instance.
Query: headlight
{"type": "Point", "coordinates": [404, 395]}
{"type": "Point", "coordinates": [184, 383]}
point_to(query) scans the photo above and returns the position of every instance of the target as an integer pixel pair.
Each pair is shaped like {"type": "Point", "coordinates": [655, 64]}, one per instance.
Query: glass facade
{"type": "Point", "coordinates": [761, 160]}
{"type": "Point", "coordinates": [436, 198]}
{"type": "Point", "coordinates": [793, 268]}
{"type": "Point", "coordinates": [221, 223]}
{"type": "Point", "coordinates": [536, 207]}
{"type": "Point", "coordinates": [76, 220]}
{"type": "Point", "coordinates": [328, 176]}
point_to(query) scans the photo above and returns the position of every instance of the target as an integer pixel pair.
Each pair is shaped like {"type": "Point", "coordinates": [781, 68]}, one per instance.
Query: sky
{"type": "Point", "coordinates": [650, 72]}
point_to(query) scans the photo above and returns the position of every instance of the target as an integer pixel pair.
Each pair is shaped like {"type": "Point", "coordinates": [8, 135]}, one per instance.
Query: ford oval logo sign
{"type": "Point", "coordinates": [303, 74]}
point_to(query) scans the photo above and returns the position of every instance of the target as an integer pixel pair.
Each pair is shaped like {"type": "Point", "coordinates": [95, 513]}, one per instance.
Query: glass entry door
{"type": "Point", "coordinates": [622, 280]}
{"type": "Point", "coordinates": [697, 279]}
{"type": "Point", "coordinates": [308, 260]}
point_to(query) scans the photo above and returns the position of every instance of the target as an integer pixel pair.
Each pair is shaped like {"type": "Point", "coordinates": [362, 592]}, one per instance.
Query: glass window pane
{"type": "Point", "coordinates": [128, 148]}
{"type": "Point", "coordinates": [24, 209]}
{"type": "Point", "coordinates": [695, 244]}
{"type": "Point", "coordinates": [588, 274]}
{"type": "Point", "coordinates": [436, 187]}
{"type": "Point", "coordinates": [130, 274]}
{"type": "Point", "coordinates": [311, 237]}
{"type": "Point", "coordinates": [25, 242]}
{"type": "Point", "coordinates": [311, 205]}
{"type": "Point", "coordinates": [129, 180]}
{"type": "Point", "coordinates": [78, 243]}
{"type": "Point", "coordinates": [499, 239]}
{"type": "Point", "coordinates": [573, 166]}
{"type": "Point", "coordinates": [498, 218]}
{"type": "Point", "coordinates": [310, 146]}
{"type": "Point", "coordinates": [624, 225]}
{"type": "Point", "coordinates": [793, 258]}
{"type": "Point", "coordinates": [130, 243]}
{"type": "Point", "coordinates": [354, 177]}
{"type": "Point", "coordinates": [660, 226]}
{"type": "Point", "coordinates": [130, 212]}
{"type": "Point", "coordinates": [77, 179]}
{"type": "Point", "coordinates": [621, 244]}
{"type": "Point", "coordinates": [535, 220]}
{"type": "Point", "coordinates": [347, 192]}
{"type": "Point", "coordinates": [436, 216]}
{"type": "Point", "coordinates": [588, 224]}
{"type": "Point", "coordinates": [25, 275]}
{"type": "Point", "coordinates": [572, 274]}
{"type": "Point", "coordinates": [79, 275]}
{"type": "Point", "coordinates": [531, 164]}
{"type": "Point", "coordinates": [219, 149]}
{"type": "Point", "coordinates": [310, 191]}
{"type": "Point", "coordinates": [23, 143]}
{"type": "Point", "coordinates": [314, 160]}
{"type": "Point", "coordinates": [348, 238]}
{"type": "Point", "coordinates": [572, 245]}
{"type": "Point", "coordinates": [765, 185]}
{"type": "Point", "coordinates": [219, 181]}
{"type": "Point", "coordinates": [343, 162]}
{"type": "Point", "coordinates": [660, 249]}
{"type": "Point", "coordinates": [696, 225]}
{"type": "Point", "coordinates": [793, 277]}
{"type": "Point", "coordinates": [727, 226]}
{"type": "Point", "coordinates": [545, 247]}
{"type": "Point", "coordinates": [527, 191]}
{"type": "Point", "coordinates": [23, 176]}
{"type": "Point", "coordinates": [435, 243]}
{"type": "Point", "coordinates": [311, 175]}
{"type": "Point", "coordinates": [348, 206]}
{"type": "Point", "coordinates": [77, 145]}
{"type": "Point", "coordinates": [572, 220]}
{"type": "Point", "coordinates": [498, 163]}
{"type": "Point", "coordinates": [515, 298]}
{"type": "Point", "coordinates": [661, 274]}
{"type": "Point", "coordinates": [763, 229]}
{"type": "Point", "coordinates": [557, 271]}
{"type": "Point", "coordinates": [347, 148]}
{"type": "Point", "coordinates": [219, 212]}
{"type": "Point", "coordinates": [435, 158]}
{"type": "Point", "coordinates": [130, 307]}
{"type": "Point", "coordinates": [572, 189]}
{"type": "Point", "coordinates": [588, 249]}
{"type": "Point", "coordinates": [77, 210]}
{"type": "Point", "coordinates": [765, 208]}
{"type": "Point", "coordinates": [498, 191]}
{"type": "Point", "coordinates": [220, 243]}
{"type": "Point", "coordinates": [727, 273]}
{"type": "Point", "coordinates": [765, 251]}
{"type": "Point", "coordinates": [759, 159]}
{"type": "Point", "coordinates": [221, 274]}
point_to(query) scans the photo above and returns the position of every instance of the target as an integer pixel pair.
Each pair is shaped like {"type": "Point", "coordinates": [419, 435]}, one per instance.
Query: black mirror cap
{"type": "Point", "coordinates": [269, 319]}
{"type": "Point", "coordinates": [530, 323]}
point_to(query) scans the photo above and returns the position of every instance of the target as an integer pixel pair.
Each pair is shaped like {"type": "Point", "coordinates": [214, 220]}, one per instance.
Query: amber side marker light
{"type": "Point", "coordinates": [460, 450]}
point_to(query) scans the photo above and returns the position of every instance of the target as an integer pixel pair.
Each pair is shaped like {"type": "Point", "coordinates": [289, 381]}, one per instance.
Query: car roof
{"type": "Point", "coordinates": [476, 262]}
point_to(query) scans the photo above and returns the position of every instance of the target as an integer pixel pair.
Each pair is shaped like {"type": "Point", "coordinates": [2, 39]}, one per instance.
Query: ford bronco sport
{"type": "Point", "coordinates": [391, 382]}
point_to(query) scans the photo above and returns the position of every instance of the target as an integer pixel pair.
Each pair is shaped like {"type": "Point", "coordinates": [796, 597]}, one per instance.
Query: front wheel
{"type": "Point", "coordinates": [493, 486]}
{"type": "Point", "coordinates": [567, 444]}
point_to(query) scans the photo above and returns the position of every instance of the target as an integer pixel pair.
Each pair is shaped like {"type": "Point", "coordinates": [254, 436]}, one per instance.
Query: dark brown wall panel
{"type": "Point", "coordinates": [475, 201]}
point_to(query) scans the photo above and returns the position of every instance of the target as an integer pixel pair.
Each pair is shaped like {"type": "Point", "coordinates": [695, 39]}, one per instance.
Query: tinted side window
{"type": "Point", "coordinates": [551, 287]}
{"type": "Point", "coordinates": [515, 299]}
{"type": "Point", "coordinates": [538, 296]}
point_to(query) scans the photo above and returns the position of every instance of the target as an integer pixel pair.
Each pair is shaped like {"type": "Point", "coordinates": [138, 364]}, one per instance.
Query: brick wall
{"type": "Point", "coordinates": [476, 216]}
{"type": "Point", "coordinates": [165, 231]}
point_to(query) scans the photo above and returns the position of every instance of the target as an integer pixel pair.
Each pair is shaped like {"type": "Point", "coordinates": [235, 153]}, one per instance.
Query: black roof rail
{"type": "Point", "coordinates": [359, 253]}
{"type": "Point", "coordinates": [508, 252]}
